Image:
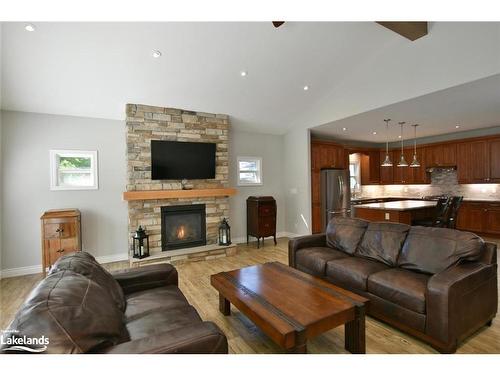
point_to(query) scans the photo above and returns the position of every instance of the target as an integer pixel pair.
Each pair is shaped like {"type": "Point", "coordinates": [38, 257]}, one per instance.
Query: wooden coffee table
{"type": "Point", "coordinates": [291, 306]}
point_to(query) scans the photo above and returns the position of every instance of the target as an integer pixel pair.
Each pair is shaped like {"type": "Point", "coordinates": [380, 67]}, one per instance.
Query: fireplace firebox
{"type": "Point", "coordinates": [183, 226]}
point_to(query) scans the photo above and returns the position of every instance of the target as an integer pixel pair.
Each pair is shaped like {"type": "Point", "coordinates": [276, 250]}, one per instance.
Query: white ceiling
{"type": "Point", "coordinates": [471, 106]}
{"type": "Point", "coordinates": [94, 69]}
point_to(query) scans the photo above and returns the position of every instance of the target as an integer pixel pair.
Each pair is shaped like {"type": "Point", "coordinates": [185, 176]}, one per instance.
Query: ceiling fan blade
{"type": "Point", "coordinates": [278, 23]}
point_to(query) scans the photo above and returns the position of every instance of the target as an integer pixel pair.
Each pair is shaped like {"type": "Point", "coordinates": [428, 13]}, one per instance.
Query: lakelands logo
{"type": "Point", "coordinates": [11, 341]}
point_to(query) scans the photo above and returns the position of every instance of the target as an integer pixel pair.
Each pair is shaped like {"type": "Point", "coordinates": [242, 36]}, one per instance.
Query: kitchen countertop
{"type": "Point", "coordinates": [361, 199]}
{"type": "Point", "coordinates": [405, 205]}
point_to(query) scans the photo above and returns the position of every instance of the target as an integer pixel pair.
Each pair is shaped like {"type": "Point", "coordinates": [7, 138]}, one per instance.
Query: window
{"type": "Point", "coordinates": [353, 172]}
{"type": "Point", "coordinates": [73, 170]}
{"type": "Point", "coordinates": [249, 171]}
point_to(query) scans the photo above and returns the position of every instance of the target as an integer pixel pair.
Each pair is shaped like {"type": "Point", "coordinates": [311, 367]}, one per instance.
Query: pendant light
{"type": "Point", "coordinates": [402, 161]}
{"type": "Point", "coordinates": [415, 163]}
{"type": "Point", "coordinates": [387, 162]}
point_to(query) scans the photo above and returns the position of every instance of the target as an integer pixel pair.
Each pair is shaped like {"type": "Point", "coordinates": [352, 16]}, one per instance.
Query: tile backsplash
{"type": "Point", "coordinates": [443, 182]}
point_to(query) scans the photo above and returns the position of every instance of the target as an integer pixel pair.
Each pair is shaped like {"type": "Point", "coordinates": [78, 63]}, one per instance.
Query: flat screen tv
{"type": "Point", "coordinates": [182, 160]}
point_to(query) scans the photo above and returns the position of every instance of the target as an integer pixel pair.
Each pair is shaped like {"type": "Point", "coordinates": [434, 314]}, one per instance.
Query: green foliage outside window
{"type": "Point", "coordinates": [74, 163]}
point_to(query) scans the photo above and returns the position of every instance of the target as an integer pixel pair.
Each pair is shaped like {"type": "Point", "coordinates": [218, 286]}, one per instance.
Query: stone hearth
{"type": "Point", "coordinates": [145, 123]}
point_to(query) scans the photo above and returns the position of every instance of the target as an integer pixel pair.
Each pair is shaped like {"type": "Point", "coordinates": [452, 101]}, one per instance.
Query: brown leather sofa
{"type": "Point", "coordinates": [81, 308]}
{"type": "Point", "coordinates": [437, 284]}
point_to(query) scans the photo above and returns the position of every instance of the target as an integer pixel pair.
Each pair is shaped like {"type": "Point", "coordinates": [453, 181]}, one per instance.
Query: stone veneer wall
{"type": "Point", "coordinates": [145, 123]}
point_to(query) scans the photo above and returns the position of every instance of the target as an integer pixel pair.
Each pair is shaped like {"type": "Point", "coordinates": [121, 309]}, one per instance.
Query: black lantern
{"type": "Point", "coordinates": [224, 233]}
{"type": "Point", "coordinates": [140, 247]}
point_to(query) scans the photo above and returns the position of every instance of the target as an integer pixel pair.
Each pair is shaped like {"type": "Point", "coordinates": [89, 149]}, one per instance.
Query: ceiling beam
{"type": "Point", "coordinates": [410, 30]}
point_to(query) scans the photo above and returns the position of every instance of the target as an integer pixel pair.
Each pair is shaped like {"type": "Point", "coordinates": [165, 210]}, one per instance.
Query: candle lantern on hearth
{"type": "Point", "coordinates": [224, 233]}
{"type": "Point", "coordinates": [140, 244]}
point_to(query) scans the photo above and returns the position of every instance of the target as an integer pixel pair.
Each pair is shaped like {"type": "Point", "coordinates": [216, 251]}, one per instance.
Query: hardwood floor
{"type": "Point", "coordinates": [243, 335]}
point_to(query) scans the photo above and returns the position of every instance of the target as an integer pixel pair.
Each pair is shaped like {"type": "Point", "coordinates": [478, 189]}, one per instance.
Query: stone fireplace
{"type": "Point", "coordinates": [183, 226]}
{"type": "Point", "coordinates": [145, 123]}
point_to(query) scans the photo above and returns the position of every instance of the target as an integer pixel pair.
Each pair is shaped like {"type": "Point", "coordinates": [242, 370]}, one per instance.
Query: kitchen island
{"type": "Point", "coordinates": [403, 211]}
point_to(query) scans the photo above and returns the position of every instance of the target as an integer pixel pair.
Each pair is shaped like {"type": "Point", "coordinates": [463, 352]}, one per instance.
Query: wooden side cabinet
{"type": "Point", "coordinates": [61, 234]}
{"type": "Point", "coordinates": [261, 218]}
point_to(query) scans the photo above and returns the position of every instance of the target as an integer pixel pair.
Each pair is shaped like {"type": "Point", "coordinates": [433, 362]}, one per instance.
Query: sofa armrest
{"type": "Point", "coordinates": [297, 243]}
{"type": "Point", "coordinates": [141, 278]}
{"type": "Point", "coordinates": [200, 338]}
{"type": "Point", "coordinates": [460, 300]}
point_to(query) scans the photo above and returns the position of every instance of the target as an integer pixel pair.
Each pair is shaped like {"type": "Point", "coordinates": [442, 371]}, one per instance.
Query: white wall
{"type": "Point", "coordinates": [297, 181]}
{"type": "Point", "coordinates": [270, 149]}
{"type": "Point", "coordinates": [26, 141]}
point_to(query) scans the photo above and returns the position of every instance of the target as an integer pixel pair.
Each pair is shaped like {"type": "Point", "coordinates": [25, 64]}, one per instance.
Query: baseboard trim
{"type": "Point", "coordinates": [30, 270]}
{"type": "Point", "coordinates": [278, 235]}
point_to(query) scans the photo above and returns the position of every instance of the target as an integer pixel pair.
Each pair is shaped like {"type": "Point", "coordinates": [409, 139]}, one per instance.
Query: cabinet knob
{"type": "Point", "coordinates": [60, 251]}
{"type": "Point", "coordinates": [59, 230]}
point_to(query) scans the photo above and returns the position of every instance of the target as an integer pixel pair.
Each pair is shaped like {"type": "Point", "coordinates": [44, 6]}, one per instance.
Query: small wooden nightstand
{"type": "Point", "coordinates": [261, 218]}
{"type": "Point", "coordinates": [61, 234]}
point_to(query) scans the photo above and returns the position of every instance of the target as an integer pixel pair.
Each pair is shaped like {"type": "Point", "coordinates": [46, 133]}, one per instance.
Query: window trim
{"type": "Point", "coordinates": [259, 171]}
{"type": "Point", "coordinates": [54, 169]}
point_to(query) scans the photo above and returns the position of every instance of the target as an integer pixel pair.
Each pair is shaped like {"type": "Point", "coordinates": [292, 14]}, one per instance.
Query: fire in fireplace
{"type": "Point", "coordinates": [183, 226]}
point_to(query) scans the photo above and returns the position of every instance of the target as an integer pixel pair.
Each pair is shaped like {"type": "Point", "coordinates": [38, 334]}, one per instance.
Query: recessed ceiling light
{"type": "Point", "coordinates": [374, 133]}
{"type": "Point", "coordinates": [156, 54]}
{"type": "Point", "coordinates": [29, 27]}
{"type": "Point", "coordinates": [344, 129]}
{"type": "Point", "coordinates": [243, 73]}
{"type": "Point", "coordinates": [306, 88]}
{"type": "Point", "coordinates": [457, 126]}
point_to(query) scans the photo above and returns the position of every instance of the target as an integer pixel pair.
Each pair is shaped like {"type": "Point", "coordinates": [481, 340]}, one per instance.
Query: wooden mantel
{"type": "Point", "coordinates": [139, 195]}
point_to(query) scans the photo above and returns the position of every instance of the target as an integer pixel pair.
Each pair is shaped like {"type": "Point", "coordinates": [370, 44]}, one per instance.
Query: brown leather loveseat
{"type": "Point", "coordinates": [437, 284]}
{"type": "Point", "coordinates": [81, 308]}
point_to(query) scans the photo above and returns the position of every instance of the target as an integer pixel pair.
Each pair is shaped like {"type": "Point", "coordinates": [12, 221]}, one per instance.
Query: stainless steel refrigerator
{"type": "Point", "coordinates": [335, 194]}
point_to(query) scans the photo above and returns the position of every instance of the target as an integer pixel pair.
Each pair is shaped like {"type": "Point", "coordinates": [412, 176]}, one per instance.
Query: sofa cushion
{"type": "Point", "coordinates": [146, 301]}
{"type": "Point", "coordinates": [344, 233]}
{"type": "Point", "coordinates": [432, 250]}
{"type": "Point", "coordinates": [383, 242]}
{"type": "Point", "coordinates": [75, 313]}
{"type": "Point", "coordinates": [402, 287]}
{"type": "Point", "coordinates": [352, 272]}
{"type": "Point", "coordinates": [160, 321]}
{"type": "Point", "coordinates": [313, 259]}
{"type": "Point", "coordinates": [85, 264]}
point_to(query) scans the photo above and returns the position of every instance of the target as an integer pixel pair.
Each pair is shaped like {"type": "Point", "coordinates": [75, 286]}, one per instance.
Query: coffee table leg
{"type": "Point", "coordinates": [300, 349]}
{"type": "Point", "coordinates": [355, 333]}
{"type": "Point", "coordinates": [224, 305]}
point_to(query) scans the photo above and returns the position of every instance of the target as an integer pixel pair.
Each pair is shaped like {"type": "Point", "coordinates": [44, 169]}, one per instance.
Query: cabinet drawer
{"type": "Point", "coordinates": [267, 210]}
{"type": "Point", "coordinates": [267, 226]}
{"type": "Point", "coordinates": [60, 230]}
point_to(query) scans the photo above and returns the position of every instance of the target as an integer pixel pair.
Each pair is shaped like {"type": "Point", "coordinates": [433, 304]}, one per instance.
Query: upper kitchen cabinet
{"type": "Point", "coordinates": [387, 173]}
{"type": "Point", "coordinates": [478, 161]}
{"type": "Point", "coordinates": [494, 154]}
{"type": "Point", "coordinates": [370, 167]}
{"type": "Point", "coordinates": [420, 176]}
{"type": "Point", "coordinates": [443, 155]}
{"type": "Point", "coordinates": [403, 175]}
{"type": "Point", "coordinates": [326, 154]}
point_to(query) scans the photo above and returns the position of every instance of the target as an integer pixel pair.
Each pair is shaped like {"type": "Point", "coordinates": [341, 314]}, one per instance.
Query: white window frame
{"type": "Point", "coordinates": [54, 168]}
{"type": "Point", "coordinates": [259, 171]}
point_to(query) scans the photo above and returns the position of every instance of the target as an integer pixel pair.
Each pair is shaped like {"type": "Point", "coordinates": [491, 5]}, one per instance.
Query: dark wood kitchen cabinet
{"type": "Point", "coordinates": [324, 154]}
{"type": "Point", "coordinates": [494, 156]}
{"type": "Point", "coordinates": [473, 162]}
{"type": "Point", "coordinates": [441, 155]}
{"type": "Point", "coordinates": [480, 217]}
{"type": "Point", "coordinates": [386, 173]}
{"type": "Point", "coordinates": [261, 218]}
{"type": "Point", "coordinates": [370, 167]}
{"type": "Point", "coordinates": [403, 175]}
{"type": "Point", "coordinates": [61, 234]}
